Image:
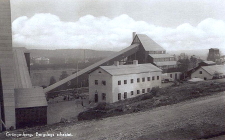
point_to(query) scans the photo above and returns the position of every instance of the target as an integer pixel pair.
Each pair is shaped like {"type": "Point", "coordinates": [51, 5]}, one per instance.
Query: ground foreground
{"type": "Point", "coordinates": [197, 118]}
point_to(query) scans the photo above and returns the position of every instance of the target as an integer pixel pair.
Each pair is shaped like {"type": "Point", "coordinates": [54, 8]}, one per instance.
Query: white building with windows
{"type": "Point", "coordinates": [118, 82]}
{"type": "Point", "coordinates": [209, 72]}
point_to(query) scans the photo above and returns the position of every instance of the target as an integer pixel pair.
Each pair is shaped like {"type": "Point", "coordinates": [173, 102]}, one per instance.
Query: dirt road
{"type": "Point", "coordinates": [186, 120]}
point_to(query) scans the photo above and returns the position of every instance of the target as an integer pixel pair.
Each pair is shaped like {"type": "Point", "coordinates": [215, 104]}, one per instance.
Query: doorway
{"type": "Point", "coordinates": [96, 97]}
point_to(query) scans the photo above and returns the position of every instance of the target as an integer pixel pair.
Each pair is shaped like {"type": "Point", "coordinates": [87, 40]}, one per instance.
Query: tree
{"type": "Point", "coordinates": [52, 80]}
{"type": "Point", "coordinates": [216, 75]}
{"type": "Point", "coordinates": [193, 61]}
{"type": "Point", "coordinates": [183, 64]}
{"type": "Point", "coordinates": [63, 75]}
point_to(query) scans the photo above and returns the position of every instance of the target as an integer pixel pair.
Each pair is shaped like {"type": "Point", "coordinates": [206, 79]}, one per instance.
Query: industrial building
{"type": "Point", "coordinates": [214, 55]}
{"type": "Point", "coordinates": [142, 48]}
{"type": "Point", "coordinates": [21, 104]}
{"type": "Point", "coordinates": [119, 82]}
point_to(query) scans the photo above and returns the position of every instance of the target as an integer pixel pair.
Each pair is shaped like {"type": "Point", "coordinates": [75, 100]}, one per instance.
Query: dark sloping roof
{"type": "Point", "coordinates": [130, 69]}
{"type": "Point", "coordinates": [149, 44]}
{"type": "Point", "coordinates": [161, 55]}
{"type": "Point", "coordinates": [214, 68]}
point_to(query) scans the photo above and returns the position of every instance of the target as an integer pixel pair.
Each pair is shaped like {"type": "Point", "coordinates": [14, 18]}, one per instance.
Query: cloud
{"type": "Point", "coordinates": [47, 31]}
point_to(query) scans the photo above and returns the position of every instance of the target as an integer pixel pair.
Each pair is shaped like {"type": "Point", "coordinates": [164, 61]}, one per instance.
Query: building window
{"type": "Point", "coordinates": [143, 90]}
{"type": "Point", "coordinates": [157, 77]}
{"type": "Point", "coordinates": [103, 96]}
{"type": "Point", "coordinates": [96, 82]}
{"type": "Point", "coordinates": [131, 80]}
{"type": "Point", "coordinates": [99, 72]}
{"type": "Point", "coordinates": [125, 95]}
{"type": "Point", "coordinates": [153, 78]}
{"type": "Point", "coordinates": [138, 91]}
{"type": "Point", "coordinates": [171, 75]}
{"type": "Point", "coordinates": [148, 90]}
{"type": "Point", "coordinates": [138, 80]}
{"type": "Point", "coordinates": [149, 79]}
{"type": "Point", "coordinates": [119, 96]}
{"type": "Point", "coordinates": [132, 93]}
{"type": "Point", "coordinates": [119, 82]}
{"type": "Point", "coordinates": [200, 72]}
{"type": "Point", "coordinates": [104, 83]}
{"type": "Point", "coordinates": [143, 79]}
{"type": "Point", "coordinates": [125, 81]}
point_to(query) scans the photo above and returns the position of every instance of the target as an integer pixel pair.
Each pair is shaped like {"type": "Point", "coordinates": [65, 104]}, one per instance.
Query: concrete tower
{"type": "Point", "coordinates": [21, 104]}
{"type": "Point", "coordinates": [7, 99]}
{"type": "Point", "coordinates": [214, 55]}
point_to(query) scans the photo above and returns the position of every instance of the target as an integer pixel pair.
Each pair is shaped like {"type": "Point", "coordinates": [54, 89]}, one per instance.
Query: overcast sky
{"type": "Point", "coordinates": [108, 24]}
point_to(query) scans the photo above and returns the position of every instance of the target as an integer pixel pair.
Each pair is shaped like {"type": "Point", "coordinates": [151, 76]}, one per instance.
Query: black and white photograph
{"type": "Point", "coordinates": [112, 69]}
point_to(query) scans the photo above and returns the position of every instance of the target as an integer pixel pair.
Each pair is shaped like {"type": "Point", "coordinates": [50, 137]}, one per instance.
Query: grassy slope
{"type": "Point", "coordinates": [158, 97]}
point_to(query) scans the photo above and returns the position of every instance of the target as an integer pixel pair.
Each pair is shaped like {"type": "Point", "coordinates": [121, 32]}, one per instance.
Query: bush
{"type": "Point", "coordinates": [147, 96]}
{"type": "Point", "coordinates": [155, 90]}
{"type": "Point", "coordinates": [103, 106]}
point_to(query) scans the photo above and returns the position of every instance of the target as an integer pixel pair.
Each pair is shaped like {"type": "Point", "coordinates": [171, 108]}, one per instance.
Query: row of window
{"type": "Point", "coordinates": [167, 66]}
{"type": "Point", "coordinates": [103, 82]}
{"type": "Point", "coordinates": [138, 80]}
{"type": "Point", "coordinates": [157, 52]}
{"type": "Point", "coordinates": [131, 93]}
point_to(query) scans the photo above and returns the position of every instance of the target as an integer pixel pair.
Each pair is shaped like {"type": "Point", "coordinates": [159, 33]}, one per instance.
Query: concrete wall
{"type": "Point", "coordinates": [7, 64]}
{"type": "Point", "coordinates": [204, 74]}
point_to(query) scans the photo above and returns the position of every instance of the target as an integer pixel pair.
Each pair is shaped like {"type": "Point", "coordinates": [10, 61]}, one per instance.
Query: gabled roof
{"type": "Point", "coordinates": [148, 43]}
{"type": "Point", "coordinates": [130, 69]}
{"type": "Point", "coordinates": [214, 68]}
{"type": "Point", "coordinates": [161, 55]}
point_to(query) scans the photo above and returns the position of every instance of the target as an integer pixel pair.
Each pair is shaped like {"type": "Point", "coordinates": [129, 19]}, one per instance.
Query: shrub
{"type": "Point", "coordinates": [147, 96]}
{"type": "Point", "coordinates": [103, 106]}
{"type": "Point", "coordinates": [155, 90]}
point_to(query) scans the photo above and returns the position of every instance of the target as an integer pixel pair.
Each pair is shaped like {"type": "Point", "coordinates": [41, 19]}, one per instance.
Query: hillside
{"type": "Point", "coordinates": [195, 119]}
{"type": "Point", "coordinates": [69, 53]}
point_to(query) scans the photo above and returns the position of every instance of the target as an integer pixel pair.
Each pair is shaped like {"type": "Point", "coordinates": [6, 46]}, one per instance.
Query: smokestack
{"type": "Point", "coordinates": [134, 34]}
{"type": "Point", "coordinates": [116, 63]}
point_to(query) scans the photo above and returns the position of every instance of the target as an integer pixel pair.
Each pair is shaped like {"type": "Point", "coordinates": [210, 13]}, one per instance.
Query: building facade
{"type": "Point", "coordinates": [119, 82]}
{"type": "Point", "coordinates": [209, 72]}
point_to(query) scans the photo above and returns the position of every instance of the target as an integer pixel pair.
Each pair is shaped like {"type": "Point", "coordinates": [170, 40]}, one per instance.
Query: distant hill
{"type": "Point", "coordinates": [69, 53]}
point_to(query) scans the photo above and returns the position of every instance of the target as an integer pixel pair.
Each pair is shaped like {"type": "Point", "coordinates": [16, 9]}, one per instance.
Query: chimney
{"type": "Point", "coordinates": [116, 63]}
{"type": "Point", "coordinates": [135, 62]}
{"type": "Point", "coordinates": [134, 34]}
